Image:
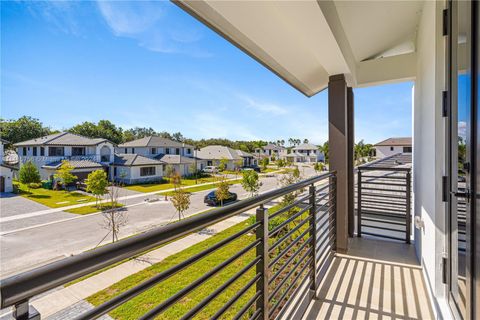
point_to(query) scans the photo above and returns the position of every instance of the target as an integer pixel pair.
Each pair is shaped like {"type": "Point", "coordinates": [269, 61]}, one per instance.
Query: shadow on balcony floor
{"type": "Point", "coordinates": [376, 279]}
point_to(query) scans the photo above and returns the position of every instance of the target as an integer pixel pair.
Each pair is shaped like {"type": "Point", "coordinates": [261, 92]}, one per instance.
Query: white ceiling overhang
{"type": "Point", "coordinates": [305, 42]}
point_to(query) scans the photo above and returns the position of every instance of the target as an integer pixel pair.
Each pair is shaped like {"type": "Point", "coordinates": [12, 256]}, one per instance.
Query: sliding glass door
{"type": "Point", "coordinates": [462, 148]}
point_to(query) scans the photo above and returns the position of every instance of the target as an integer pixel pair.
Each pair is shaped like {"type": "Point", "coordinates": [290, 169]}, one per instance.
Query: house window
{"type": "Point", "coordinates": [391, 148]}
{"type": "Point", "coordinates": [34, 151]}
{"type": "Point", "coordinates": [177, 151]}
{"type": "Point", "coordinates": [189, 150]}
{"type": "Point", "coordinates": [154, 151]}
{"type": "Point", "coordinates": [56, 151]}
{"type": "Point", "coordinates": [133, 150]}
{"type": "Point", "coordinates": [114, 171]}
{"type": "Point", "coordinates": [42, 151]}
{"type": "Point", "coordinates": [407, 149]}
{"type": "Point", "coordinates": [78, 151]}
{"type": "Point", "coordinates": [24, 151]}
{"type": "Point", "coordinates": [167, 150]}
{"type": "Point", "coordinates": [147, 171]}
{"type": "Point", "coordinates": [126, 150]}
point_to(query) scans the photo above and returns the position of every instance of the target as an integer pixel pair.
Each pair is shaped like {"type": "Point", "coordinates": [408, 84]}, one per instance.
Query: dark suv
{"type": "Point", "coordinates": [211, 199]}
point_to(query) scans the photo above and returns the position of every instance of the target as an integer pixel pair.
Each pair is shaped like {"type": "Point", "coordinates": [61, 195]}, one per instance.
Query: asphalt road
{"type": "Point", "coordinates": [49, 238]}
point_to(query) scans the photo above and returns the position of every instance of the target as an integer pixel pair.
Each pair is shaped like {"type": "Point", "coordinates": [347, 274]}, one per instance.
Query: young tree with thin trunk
{"type": "Point", "coordinates": [222, 193]}
{"type": "Point", "coordinates": [64, 174]}
{"type": "Point", "coordinates": [114, 218]}
{"type": "Point", "coordinates": [97, 184]}
{"type": "Point", "coordinates": [250, 182]}
{"type": "Point", "coordinates": [181, 201]}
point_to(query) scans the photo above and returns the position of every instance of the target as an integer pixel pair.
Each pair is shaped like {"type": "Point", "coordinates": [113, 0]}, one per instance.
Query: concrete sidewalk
{"type": "Point", "coordinates": [64, 298]}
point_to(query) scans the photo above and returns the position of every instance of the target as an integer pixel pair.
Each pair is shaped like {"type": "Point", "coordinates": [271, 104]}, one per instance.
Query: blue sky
{"type": "Point", "coordinates": [151, 64]}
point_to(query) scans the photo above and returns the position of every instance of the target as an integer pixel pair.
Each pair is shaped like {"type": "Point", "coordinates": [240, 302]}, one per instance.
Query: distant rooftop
{"type": "Point", "coordinates": [62, 139]}
{"type": "Point", "coordinates": [153, 141]}
{"type": "Point", "coordinates": [401, 141]}
{"type": "Point", "coordinates": [218, 152]}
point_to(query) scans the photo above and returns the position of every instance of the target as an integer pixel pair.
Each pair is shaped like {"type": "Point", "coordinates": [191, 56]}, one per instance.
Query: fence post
{"type": "Point", "coordinates": [359, 203]}
{"type": "Point", "coordinates": [313, 237]}
{"type": "Point", "coordinates": [24, 311]}
{"type": "Point", "coordinates": [408, 210]}
{"type": "Point", "coordinates": [262, 266]}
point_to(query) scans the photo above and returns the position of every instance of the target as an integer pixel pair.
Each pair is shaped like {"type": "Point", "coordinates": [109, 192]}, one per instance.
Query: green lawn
{"type": "Point", "coordinates": [159, 293]}
{"type": "Point", "coordinates": [268, 170]}
{"type": "Point", "coordinates": [93, 208]}
{"type": "Point", "coordinates": [53, 199]}
{"type": "Point", "coordinates": [152, 187]}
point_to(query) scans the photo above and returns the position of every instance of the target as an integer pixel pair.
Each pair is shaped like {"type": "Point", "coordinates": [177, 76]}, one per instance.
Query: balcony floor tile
{"type": "Point", "coordinates": [375, 280]}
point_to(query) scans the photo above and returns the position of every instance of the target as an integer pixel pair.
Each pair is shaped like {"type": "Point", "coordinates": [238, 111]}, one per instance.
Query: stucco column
{"type": "Point", "coordinates": [338, 152]}
{"type": "Point", "coordinates": [350, 160]}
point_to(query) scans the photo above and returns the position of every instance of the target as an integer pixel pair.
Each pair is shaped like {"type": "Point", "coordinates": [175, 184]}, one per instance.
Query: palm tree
{"type": "Point", "coordinates": [305, 141]}
{"type": "Point", "coordinates": [290, 141]}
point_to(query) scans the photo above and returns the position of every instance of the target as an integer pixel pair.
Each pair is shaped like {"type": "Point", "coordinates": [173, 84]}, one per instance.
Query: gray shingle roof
{"type": "Point", "coordinates": [400, 141]}
{"type": "Point", "coordinates": [217, 153]}
{"type": "Point", "coordinates": [244, 154]}
{"type": "Point", "coordinates": [175, 159]}
{"type": "Point", "coordinates": [62, 139]}
{"type": "Point", "coordinates": [272, 146]}
{"type": "Point", "coordinates": [134, 160]}
{"type": "Point", "coordinates": [306, 146]}
{"type": "Point", "coordinates": [153, 141]}
{"type": "Point", "coordinates": [77, 164]}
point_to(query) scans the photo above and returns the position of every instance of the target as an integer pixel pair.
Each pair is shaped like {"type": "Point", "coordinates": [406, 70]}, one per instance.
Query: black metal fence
{"type": "Point", "coordinates": [286, 252]}
{"type": "Point", "coordinates": [384, 202]}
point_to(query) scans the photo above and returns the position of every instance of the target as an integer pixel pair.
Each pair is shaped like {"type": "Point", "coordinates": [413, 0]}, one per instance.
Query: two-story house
{"type": "Point", "coordinates": [176, 154]}
{"type": "Point", "coordinates": [392, 146]}
{"type": "Point", "coordinates": [213, 155]}
{"type": "Point", "coordinates": [6, 171]}
{"type": "Point", "coordinates": [84, 154]}
{"type": "Point", "coordinates": [305, 152]}
{"type": "Point", "coordinates": [271, 151]}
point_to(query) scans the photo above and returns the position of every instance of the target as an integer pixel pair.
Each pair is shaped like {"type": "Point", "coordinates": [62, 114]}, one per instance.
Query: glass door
{"type": "Point", "coordinates": [460, 155]}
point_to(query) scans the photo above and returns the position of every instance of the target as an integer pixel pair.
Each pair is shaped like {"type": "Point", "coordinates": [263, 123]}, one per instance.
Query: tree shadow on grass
{"type": "Point", "coordinates": [38, 196]}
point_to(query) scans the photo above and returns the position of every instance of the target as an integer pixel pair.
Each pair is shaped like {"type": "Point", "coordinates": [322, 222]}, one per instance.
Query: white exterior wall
{"type": "Point", "coordinates": [385, 151]}
{"type": "Point", "coordinates": [7, 173]}
{"type": "Point", "coordinates": [131, 175]}
{"type": "Point", "coordinates": [428, 152]}
{"type": "Point", "coordinates": [147, 151]}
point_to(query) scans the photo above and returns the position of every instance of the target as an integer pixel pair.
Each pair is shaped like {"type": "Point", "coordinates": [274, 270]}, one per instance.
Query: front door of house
{"type": "Point", "coordinates": [463, 146]}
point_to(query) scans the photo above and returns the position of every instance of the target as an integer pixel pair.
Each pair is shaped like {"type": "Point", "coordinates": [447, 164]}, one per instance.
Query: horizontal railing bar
{"type": "Point", "coordinates": [133, 292]}
{"type": "Point", "coordinates": [174, 298]}
{"type": "Point", "coordinates": [384, 190]}
{"type": "Point", "coordinates": [282, 297]}
{"type": "Point", "coordinates": [326, 203]}
{"type": "Point", "coordinates": [288, 235]}
{"type": "Point", "coordinates": [220, 289]}
{"type": "Point", "coordinates": [289, 207]}
{"type": "Point", "coordinates": [25, 285]}
{"type": "Point", "coordinates": [384, 184]}
{"type": "Point", "coordinates": [247, 306]}
{"type": "Point", "coordinates": [256, 314]}
{"type": "Point", "coordinates": [237, 296]}
{"type": "Point", "coordinates": [290, 245]}
{"type": "Point", "coordinates": [325, 187]}
{"type": "Point", "coordinates": [279, 271]}
{"type": "Point", "coordinates": [383, 177]}
{"type": "Point", "coordinates": [329, 213]}
{"type": "Point", "coordinates": [383, 236]}
{"type": "Point", "coordinates": [382, 228]}
{"type": "Point", "coordinates": [384, 221]}
{"type": "Point", "coordinates": [286, 222]}
{"type": "Point", "coordinates": [290, 273]}
{"type": "Point", "coordinates": [325, 240]}
{"type": "Point", "coordinates": [319, 198]}
{"type": "Point", "coordinates": [392, 203]}
{"type": "Point", "coordinates": [391, 215]}
{"type": "Point", "coordinates": [380, 209]}
{"type": "Point", "coordinates": [371, 168]}
{"type": "Point", "coordinates": [370, 194]}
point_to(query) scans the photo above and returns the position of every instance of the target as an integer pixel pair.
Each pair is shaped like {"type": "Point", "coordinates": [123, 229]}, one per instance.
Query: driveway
{"type": "Point", "coordinates": [12, 204]}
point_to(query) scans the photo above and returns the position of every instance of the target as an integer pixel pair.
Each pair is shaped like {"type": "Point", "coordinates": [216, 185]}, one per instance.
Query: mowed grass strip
{"type": "Point", "coordinates": [52, 198]}
{"type": "Point", "coordinates": [93, 208]}
{"type": "Point", "coordinates": [154, 296]}
{"type": "Point", "coordinates": [152, 187]}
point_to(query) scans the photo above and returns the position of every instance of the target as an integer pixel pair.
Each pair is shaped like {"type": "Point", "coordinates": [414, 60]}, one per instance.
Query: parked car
{"type": "Point", "coordinates": [254, 168]}
{"type": "Point", "coordinates": [211, 199]}
{"type": "Point", "coordinates": [210, 169]}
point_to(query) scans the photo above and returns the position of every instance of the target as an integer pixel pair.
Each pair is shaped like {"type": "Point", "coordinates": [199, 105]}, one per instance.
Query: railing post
{"type": "Point", "coordinates": [24, 311]}
{"type": "Point", "coordinates": [333, 220]}
{"type": "Point", "coordinates": [262, 266]}
{"type": "Point", "coordinates": [313, 237]}
{"type": "Point", "coordinates": [408, 210]}
{"type": "Point", "coordinates": [359, 203]}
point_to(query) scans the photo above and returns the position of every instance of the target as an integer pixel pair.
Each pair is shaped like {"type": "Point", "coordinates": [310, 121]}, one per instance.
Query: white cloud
{"type": "Point", "coordinates": [264, 107]}
{"type": "Point", "coordinates": [151, 25]}
{"type": "Point", "coordinates": [462, 129]}
{"type": "Point", "coordinates": [60, 14]}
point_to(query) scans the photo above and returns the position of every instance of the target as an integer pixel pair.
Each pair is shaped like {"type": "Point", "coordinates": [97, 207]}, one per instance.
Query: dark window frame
{"type": "Point", "coordinates": [42, 151]}
{"type": "Point", "coordinates": [147, 171]}
{"type": "Point", "coordinates": [34, 151]}
{"type": "Point", "coordinates": [82, 152]}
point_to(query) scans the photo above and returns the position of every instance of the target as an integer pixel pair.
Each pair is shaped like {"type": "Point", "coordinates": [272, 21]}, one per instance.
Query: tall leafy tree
{"type": "Point", "coordinates": [28, 173]}
{"type": "Point", "coordinates": [250, 182]}
{"type": "Point", "coordinates": [64, 173]}
{"type": "Point", "coordinates": [103, 129]}
{"type": "Point", "coordinates": [181, 201]}
{"type": "Point", "coordinates": [23, 128]}
{"type": "Point", "coordinates": [97, 184]}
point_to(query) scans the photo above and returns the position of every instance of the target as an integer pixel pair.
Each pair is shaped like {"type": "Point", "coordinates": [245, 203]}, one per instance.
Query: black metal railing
{"type": "Point", "coordinates": [286, 252]}
{"type": "Point", "coordinates": [384, 202]}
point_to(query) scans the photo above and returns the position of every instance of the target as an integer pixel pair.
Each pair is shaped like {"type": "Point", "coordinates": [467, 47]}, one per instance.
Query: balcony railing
{"type": "Point", "coordinates": [286, 256]}
{"type": "Point", "coordinates": [384, 202]}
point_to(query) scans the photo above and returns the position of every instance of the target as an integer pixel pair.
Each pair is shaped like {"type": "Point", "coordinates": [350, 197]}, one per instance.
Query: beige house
{"type": "Point", "coordinates": [214, 154]}
{"type": "Point", "coordinates": [391, 146]}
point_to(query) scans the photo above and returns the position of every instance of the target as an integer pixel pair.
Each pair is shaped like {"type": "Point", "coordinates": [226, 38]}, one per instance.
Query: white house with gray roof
{"type": "Point", "coordinates": [84, 154]}
{"type": "Point", "coordinates": [177, 154]}
{"type": "Point", "coordinates": [271, 150]}
{"type": "Point", "coordinates": [214, 154]}
{"type": "Point", "coordinates": [305, 152]}
{"type": "Point", "coordinates": [135, 168]}
{"type": "Point", "coordinates": [6, 171]}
